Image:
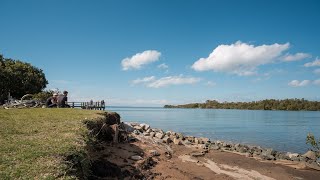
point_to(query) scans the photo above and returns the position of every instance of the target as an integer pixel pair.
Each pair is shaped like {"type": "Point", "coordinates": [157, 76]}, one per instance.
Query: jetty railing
{"type": "Point", "coordinates": [88, 105]}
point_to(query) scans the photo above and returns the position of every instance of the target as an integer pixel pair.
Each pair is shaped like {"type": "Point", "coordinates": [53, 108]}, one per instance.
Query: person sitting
{"type": "Point", "coordinates": [52, 101]}
{"type": "Point", "coordinates": [63, 100]}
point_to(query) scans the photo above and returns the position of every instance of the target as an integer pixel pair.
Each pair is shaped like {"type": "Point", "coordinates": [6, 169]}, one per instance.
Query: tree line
{"type": "Point", "coordinates": [19, 78]}
{"type": "Point", "coordinates": [267, 104]}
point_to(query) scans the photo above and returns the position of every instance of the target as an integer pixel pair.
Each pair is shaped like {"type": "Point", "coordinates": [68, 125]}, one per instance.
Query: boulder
{"type": "Point", "coordinates": [197, 141]}
{"type": "Point", "coordinates": [159, 135]}
{"type": "Point", "coordinates": [127, 127]}
{"type": "Point", "coordinates": [313, 165]}
{"type": "Point", "coordinates": [197, 154]}
{"type": "Point", "coordinates": [136, 158]}
{"type": "Point", "coordinates": [293, 156]}
{"type": "Point", "coordinates": [146, 134]}
{"type": "Point", "coordinates": [310, 155]}
{"type": "Point", "coordinates": [152, 134]}
{"type": "Point", "coordinates": [145, 126]}
{"type": "Point", "coordinates": [166, 139]}
{"type": "Point", "coordinates": [215, 147]}
{"type": "Point", "coordinates": [177, 141]}
{"type": "Point", "coordinates": [154, 153]}
{"type": "Point", "coordinates": [149, 130]}
{"type": "Point", "coordinates": [139, 128]}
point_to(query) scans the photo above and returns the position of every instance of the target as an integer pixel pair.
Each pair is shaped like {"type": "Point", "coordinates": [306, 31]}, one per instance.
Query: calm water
{"type": "Point", "coordinates": [280, 130]}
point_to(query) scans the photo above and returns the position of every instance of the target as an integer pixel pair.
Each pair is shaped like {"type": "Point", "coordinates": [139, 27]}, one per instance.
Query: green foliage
{"type": "Point", "coordinates": [43, 95]}
{"type": "Point", "coordinates": [314, 143]}
{"type": "Point", "coordinates": [268, 104]}
{"type": "Point", "coordinates": [19, 78]}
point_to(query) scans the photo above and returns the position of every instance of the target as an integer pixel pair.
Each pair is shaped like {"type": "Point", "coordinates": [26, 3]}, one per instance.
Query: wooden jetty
{"type": "Point", "coordinates": [88, 105]}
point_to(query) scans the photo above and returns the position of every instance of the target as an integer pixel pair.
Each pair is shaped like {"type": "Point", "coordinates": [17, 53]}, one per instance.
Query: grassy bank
{"type": "Point", "coordinates": [35, 142]}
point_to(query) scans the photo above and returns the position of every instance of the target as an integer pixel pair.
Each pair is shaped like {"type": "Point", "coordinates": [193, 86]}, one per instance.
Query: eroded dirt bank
{"type": "Point", "coordinates": [133, 151]}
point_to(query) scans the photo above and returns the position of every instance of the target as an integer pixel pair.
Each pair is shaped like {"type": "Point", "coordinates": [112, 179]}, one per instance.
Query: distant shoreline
{"type": "Point", "coordinates": [267, 104]}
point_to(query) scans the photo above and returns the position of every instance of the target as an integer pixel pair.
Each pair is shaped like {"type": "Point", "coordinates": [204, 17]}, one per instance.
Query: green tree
{"type": "Point", "coordinates": [19, 78]}
{"type": "Point", "coordinates": [315, 144]}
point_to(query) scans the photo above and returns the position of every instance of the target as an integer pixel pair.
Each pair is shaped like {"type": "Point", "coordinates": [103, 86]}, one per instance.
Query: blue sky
{"type": "Point", "coordinates": [151, 53]}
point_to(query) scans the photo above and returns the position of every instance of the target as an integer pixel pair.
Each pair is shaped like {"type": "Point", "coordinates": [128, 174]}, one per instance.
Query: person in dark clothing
{"type": "Point", "coordinates": [52, 101]}
{"type": "Point", "coordinates": [62, 100]}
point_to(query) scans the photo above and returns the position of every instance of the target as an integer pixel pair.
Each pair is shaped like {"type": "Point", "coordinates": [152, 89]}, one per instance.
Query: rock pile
{"type": "Point", "coordinates": [205, 144]}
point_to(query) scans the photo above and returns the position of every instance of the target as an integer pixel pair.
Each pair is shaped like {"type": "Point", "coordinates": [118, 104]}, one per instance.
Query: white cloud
{"type": "Point", "coordinates": [140, 59]}
{"type": "Point", "coordinates": [316, 62]}
{"type": "Point", "coordinates": [143, 80]}
{"type": "Point", "coordinates": [296, 83]}
{"type": "Point", "coordinates": [240, 58]}
{"type": "Point", "coordinates": [173, 80]}
{"type": "Point", "coordinates": [163, 66]}
{"type": "Point", "coordinates": [316, 82]}
{"type": "Point", "coordinates": [296, 57]}
{"type": "Point", "coordinates": [316, 71]}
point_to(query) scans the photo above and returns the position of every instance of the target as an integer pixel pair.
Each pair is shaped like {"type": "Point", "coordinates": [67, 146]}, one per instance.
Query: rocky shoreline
{"type": "Point", "coordinates": [309, 159]}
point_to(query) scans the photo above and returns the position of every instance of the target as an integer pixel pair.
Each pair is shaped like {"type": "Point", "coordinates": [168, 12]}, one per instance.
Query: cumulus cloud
{"type": "Point", "coordinates": [173, 80]}
{"type": "Point", "coordinates": [296, 57]}
{"type": "Point", "coordinates": [163, 66]}
{"type": "Point", "coordinates": [143, 80]}
{"type": "Point", "coordinates": [152, 82]}
{"type": "Point", "coordinates": [140, 59]}
{"type": "Point", "coordinates": [296, 83]}
{"type": "Point", "coordinates": [316, 62]}
{"type": "Point", "coordinates": [240, 58]}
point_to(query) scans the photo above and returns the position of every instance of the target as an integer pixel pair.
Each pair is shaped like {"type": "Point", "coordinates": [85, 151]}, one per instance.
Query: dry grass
{"type": "Point", "coordinates": [35, 142]}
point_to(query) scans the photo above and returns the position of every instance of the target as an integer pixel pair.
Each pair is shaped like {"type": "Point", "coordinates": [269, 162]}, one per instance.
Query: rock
{"type": "Point", "coordinates": [268, 157]}
{"type": "Point", "coordinates": [168, 133]}
{"type": "Point", "coordinates": [202, 146]}
{"type": "Point", "coordinates": [139, 128]}
{"type": "Point", "coordinates": [249, 155]}
{"type": "Point", "coordinates": [197, 154]}
{"type": "Point", "coordinates": [256, 150]}
{"type": "Point", "coordinates": [197, 141]}
{"type": "Point", "coordinates": [293, 156]}
{"type": "Point", "coordinates": [226, 145]}
{"type": "Point", "coordinates": [146, 134]}
{"type": "Point", "coordinates": [205, 140]}
{"type": "Point", "coordinates": [310, 155]}
{"type": "Point", "coordinates": [190, 138]}
{"type": "Point", "coordinates": [186, 142]}
{"type": "Point", "coordinates": [180, 136]}
{"type": "Point", "coordinates": [215, 147]}
{"type": "Point", "coordinates": [136, 158]}
{"type": "Point", "coordinates": [159, 135]}
{"type": "Point", "coordinates": [149, 130]}
{"type": "Point", "coordinates": [128, 127]}
{"type": "Point", "coordinates": [268, 154]}
{"type": "Point", "coordinates": [243, 149]}
{"type": "Point", "coordinates": [152, 134]}
{"type": "Point", "coordinates": [166, 139]}
{"type": "Point", "coordinates": [145, 126]}
{"type": "Point", "coordinates": [136, 132]}
{"type": "Point", "coordinates": [282, 155]}
{"type": "Point", "coordinates": [154, 153]}
{"type": "Point", "coordinates": [313, 165]}
{"type": "Point", "coordinates": [177, 141]}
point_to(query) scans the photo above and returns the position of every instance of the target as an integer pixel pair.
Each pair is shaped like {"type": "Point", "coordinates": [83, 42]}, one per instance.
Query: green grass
{"type": "Point", "coordinates": [35, 142]}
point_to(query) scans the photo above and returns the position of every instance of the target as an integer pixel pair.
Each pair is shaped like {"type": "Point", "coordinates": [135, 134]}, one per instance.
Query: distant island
{"type": "Point", "coordinates": [267, 104]}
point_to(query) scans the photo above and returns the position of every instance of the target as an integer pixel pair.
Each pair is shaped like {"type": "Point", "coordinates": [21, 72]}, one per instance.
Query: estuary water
{"type": "Point", "coordinates": [280, 130]}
